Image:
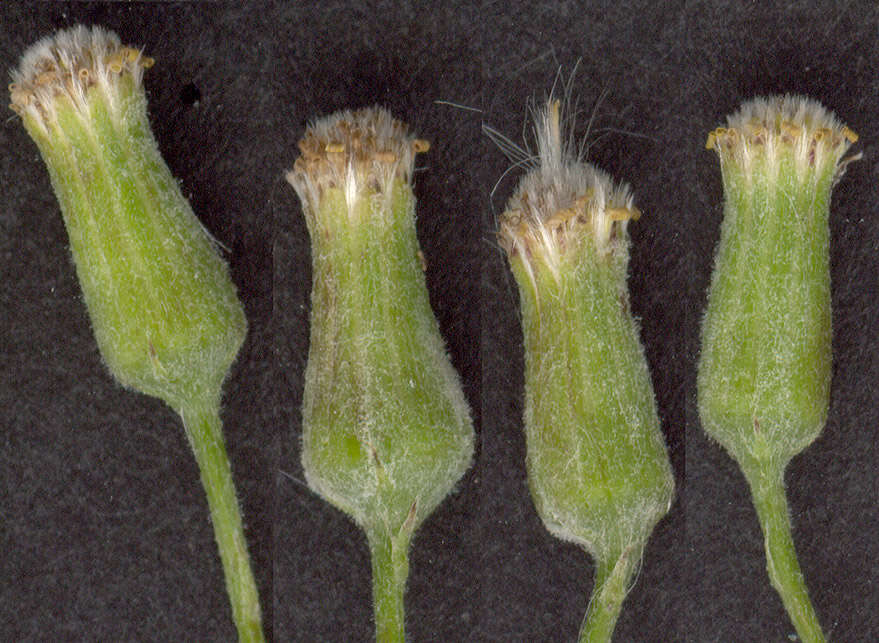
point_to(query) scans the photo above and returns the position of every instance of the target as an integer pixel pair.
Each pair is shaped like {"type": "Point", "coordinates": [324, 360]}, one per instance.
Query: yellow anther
{"type": "Point", "coordinates": [560, 218]}
{"type": "Point", "coordinates": [758, 135]}
{"type": "Point", "coordinates": [754, 126]}
{"type": "Point", "coordinates": [581, 202]}
{"type": "Point", "coordinates": [711, 143]}
{"type": "Point", "coordinates": [716, 137]}
{"type": "Point", "coordinates": [822, 133]}
{"type": "Point", "coordinates": [147, 62]}
{"type": "Point", "coordinates": [45, 78]}
{"type": "Point", "coordinates": [385, 157]}
{"type": "Point", "coordinates": [623, 214]}
{"type": "Point", "coordinates": [849, 134]}
{"type": "Point", "coordinates": [512, 217]}
{"type": "Point", "coordinates": [334, 148]}
{"type": "Point", "coordinates": [790, 130]}
{"type": "Point", "coordinates": [419, 145]}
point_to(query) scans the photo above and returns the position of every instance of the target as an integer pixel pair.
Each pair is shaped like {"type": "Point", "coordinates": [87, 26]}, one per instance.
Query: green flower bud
{"type": "Point", "coordinates": [386, 429]}
{"type": "Point", "coordinates": [764, 370]}
{"type": "Point", "coordinates": [164, 311]}
{"type": "Point", "coordinates": [597, 466]}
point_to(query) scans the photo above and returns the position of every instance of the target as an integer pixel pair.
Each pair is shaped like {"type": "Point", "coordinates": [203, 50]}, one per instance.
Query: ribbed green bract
{"type": "Point", "coordinates": [597, 466]}
{"type": "Point", "coordinates": [386, 428]}
{"type": "Point", "coordinates": [164, 310]}
{"type": "Point", "coordinates": [764, 370]}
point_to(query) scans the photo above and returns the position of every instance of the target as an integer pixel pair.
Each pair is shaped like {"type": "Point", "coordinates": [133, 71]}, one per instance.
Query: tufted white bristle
{"type": "Point", "coordinates": [354, 151]}
{"type": "Point", "coordinates": [766, 128]}
{"type": "Point", "coordinates": [69, 64]}
{"type": "Point", "coordinates": [562, 198]}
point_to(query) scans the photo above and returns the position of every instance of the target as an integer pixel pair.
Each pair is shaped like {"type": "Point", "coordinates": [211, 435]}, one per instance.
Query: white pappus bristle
{"type": "Point", "coordinates": [68, 64]}
{"type": "Point", "coordinates": [562, 198]}
{"type": "Point", "coordinates": [357, 152]}
{"type": "Point", "coordinates": [765, 128]}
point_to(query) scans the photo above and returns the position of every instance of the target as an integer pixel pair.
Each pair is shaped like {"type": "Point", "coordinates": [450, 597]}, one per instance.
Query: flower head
{"type": "Point", "coordinates": [66, 65]}
{"type": "Point", "coordinates": [357, 152]}
{"type": "Point", "coordinates": [561, 201]}
{"type": "Point", "coordinates": [766, 131]}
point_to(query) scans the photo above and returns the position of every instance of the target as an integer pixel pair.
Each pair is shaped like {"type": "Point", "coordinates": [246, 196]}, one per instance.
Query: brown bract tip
{"type": "Point", "coordinates": [545, 218]}
{"type": "Point", "coordinates": [764, 128]}
{"type": "Point", "coordinates": [70, 63]}
{"type": "Point", "coordinates": [354, 151]}
{"type": "Point", "coordinates": [561, 201]}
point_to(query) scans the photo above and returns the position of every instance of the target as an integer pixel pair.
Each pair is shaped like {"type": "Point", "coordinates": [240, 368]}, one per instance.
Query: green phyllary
{"type": "Point", "coordinates": [386, 431]}
{"type": "Point", "coordinates": [596, 460]}
{"type": "Point", "coordinates": [163, 308]}
{"type": "Point", "coordinates": [765, 364]}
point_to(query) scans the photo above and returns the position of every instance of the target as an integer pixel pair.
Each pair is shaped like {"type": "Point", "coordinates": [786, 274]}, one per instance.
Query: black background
{"type": "Point", "coordinates": [103, 523]}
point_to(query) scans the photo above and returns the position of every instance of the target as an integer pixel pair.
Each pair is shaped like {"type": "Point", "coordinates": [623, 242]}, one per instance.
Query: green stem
{"type": "Point", "coordinates": [201, 420]}
{"type": "Point", "coordinates": [613, 576]}
{"type": "Point", "coordinates": [767, 489]}
{"type": "Point", "coordinates": [390, 568]}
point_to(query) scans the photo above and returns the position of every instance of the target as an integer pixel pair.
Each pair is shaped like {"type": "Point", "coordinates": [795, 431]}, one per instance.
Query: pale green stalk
{"type": "Point", "coordinates": [390, 568]}
{"type": "Point", "coordinates": [767, 490]}
{"type": "Point", "coordinates": [204, 430]}
{"type": "Point", "coordinates": [613, 578]}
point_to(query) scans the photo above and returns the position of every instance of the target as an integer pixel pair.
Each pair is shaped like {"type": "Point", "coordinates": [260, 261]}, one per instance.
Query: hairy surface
{"type": "Point", "coordinates": [763, 128]}
{"type": "Point", "coordinates": [355, 151]}
{"type": "Point", "coordinates": [386, 429]}
{"type": "Point", "coordinates": [597, 467]}
{"type": "Point", "coordinates": [560, 200]}
{"type": "Point", "coordinates": [68, 64]}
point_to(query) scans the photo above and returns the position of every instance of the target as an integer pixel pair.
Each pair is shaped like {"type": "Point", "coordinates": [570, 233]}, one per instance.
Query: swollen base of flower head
{"type": "Point", "coordinates": [364, 150]}
{"type": "Point", "coordinates": [561, 200]}
{"type": "Point", "coordinates": [69, 64]}
{"type": "Point", "coordinates": [765, 128]}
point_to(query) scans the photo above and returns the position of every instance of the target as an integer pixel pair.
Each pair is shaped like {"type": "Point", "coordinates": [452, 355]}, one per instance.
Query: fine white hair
{"type": "Point", "coordinates": [68, 65]}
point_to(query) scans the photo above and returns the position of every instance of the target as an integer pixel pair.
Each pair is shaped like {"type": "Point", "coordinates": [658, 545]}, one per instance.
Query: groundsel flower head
{"type": "Point", "coordinates": [766, 132]}
{"type": "Point", "coordinates": [67, 66]}
{"type": "Point", "coordinates": [562, 201]}
{"type": "Point", "coordinates": [361, 152]}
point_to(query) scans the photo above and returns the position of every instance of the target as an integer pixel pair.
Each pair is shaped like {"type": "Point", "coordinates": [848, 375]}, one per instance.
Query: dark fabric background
{"type": "Point", "coordinates": [103, 524]}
